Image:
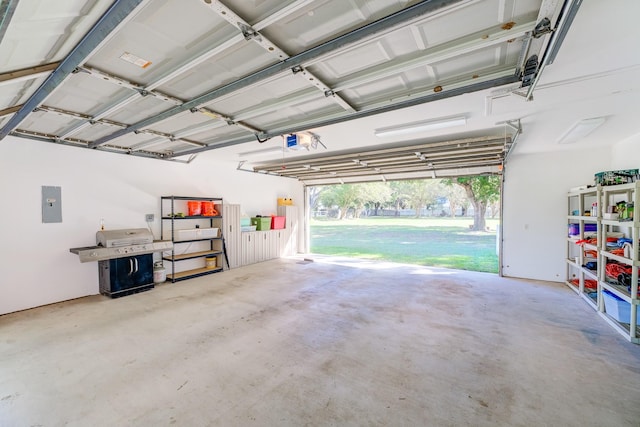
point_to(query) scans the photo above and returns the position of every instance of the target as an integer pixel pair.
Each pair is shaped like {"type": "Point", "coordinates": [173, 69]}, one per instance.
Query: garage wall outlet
{"type": "Point", "coordinates": [149, 217]}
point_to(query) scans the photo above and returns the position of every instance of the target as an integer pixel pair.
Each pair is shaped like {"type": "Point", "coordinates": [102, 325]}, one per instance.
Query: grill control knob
{"type": "Point", "coordinates": [93, 254]}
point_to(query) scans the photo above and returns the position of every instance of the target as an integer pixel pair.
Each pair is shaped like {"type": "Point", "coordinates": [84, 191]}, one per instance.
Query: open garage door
{"type": "Point", "coordinates": [450, 158]}
{"type": "Point", "coordinates": [418, 226]}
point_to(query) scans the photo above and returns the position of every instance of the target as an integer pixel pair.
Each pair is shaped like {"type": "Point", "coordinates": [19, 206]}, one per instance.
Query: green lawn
{"type": "Point", "coordinates": [441, 242]}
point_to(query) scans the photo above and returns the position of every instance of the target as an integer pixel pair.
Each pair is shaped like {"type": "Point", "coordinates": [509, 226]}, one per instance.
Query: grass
{"type": "Point", "coordinates": [438, 242]}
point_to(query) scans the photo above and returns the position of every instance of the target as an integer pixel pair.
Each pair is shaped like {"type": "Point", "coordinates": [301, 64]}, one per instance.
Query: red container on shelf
{"type": "Point", "coordinates": [194, 208]}
{"type": "Point", "coordinates": [277, 222]}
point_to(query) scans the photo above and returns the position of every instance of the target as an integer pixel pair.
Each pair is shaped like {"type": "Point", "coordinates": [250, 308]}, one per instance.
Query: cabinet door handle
{"type": "Point", "coordinates": [130, 266]}
{"type": "Point", "coordinates": [135, 260]}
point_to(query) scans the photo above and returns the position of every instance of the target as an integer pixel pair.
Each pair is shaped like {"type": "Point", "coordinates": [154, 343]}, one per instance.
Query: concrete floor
{"type": "Point", "coordinates": [331, 342]}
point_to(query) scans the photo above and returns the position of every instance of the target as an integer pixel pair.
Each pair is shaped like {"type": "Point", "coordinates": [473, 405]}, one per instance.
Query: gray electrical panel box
{"type": "Point", "coordinates": [51, 204]}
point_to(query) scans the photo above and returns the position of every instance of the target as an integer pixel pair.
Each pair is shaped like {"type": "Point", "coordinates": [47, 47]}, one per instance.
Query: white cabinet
{"type": "Point", "coordinates": [248, 249]}
{"type": "Point", "coordinates": [232, 235]}
{"type": "Point", "coordinates": [259, 246]}
{"type": "Point", "coordinates": [290, 245]}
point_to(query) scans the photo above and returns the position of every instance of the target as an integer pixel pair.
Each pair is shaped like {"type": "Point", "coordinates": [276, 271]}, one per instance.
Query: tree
{"type": "Point", "coordinates": [481, 190]}
{"type": "Point", "coordinates": [314, 196]}
{"type": "Point", "coordinates": [376, 194]}
{"type": "Point", "coordinates": [457, 198]}
{"type": "Point", "coordinates": [422, 193]}
{"type": "Point", "coordinates": [399, 194]}
{"type": "Point", "coordinates": [343, 196]}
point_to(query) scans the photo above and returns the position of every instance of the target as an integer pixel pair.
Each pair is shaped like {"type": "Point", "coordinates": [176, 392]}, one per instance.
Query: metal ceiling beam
{"type": "Point", "coordinates": [274, 17]}
{"type": "Point", "coordinates": [274, 50]}
{"type": "Point", "coordinates": [440, 53]}
{"type": "Point", "coordinates": [117, 13]}
{"type": "Point", "coordinates": [138, 91]}
{"type": "Point", "coordinates": [449, 89]}
{"type": "Point", "coordinates": [384, 24]}
{"type": "Point", "coordinates": [285, 11]}
{"type": "Point", "coordinates": [7, 8]}
{"type": "Point", "coordinates": [82, 144]}
{"type": "Point", "coordinates": [474, 87]}
{"type": "Point", "coordinates": [569, 11]}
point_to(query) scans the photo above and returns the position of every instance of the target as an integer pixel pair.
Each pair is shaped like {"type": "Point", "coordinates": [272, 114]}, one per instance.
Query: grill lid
{"type": "Point", "coordinates": [129, 236]}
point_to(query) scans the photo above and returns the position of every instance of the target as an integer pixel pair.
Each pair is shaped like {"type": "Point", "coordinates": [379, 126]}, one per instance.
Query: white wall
{"type": "Point", "coordinates": [534, 222]}
{"type": "Point", "coordinates": [626, 154]}
{"type": "Point", "coordinates": [36, 265]}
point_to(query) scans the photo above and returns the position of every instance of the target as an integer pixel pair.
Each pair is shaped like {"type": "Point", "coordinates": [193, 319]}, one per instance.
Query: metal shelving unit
{"type": "Point", "coordinates": [188, 257]}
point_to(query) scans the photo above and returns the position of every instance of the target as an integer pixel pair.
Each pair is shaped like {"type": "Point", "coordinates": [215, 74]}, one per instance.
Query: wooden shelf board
{"type": "Point", "coordinates": [192, 255]}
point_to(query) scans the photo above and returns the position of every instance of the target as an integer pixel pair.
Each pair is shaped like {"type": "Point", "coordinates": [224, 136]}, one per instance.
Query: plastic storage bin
{"type": "Point", "coordinates": [617, 308]}
{"type": "Point", "coordinates": [194, 208]}
{"type": "Point", "coordinates": [574, 229]}
{"type": "Point", "coordinates": [261, 223]}
{"type": "Point", "coordinates": [196, 233]}
{"type": "Point", "coordinates": [617, 177]}
{"type": "Point", "coordinates": [277, 222]}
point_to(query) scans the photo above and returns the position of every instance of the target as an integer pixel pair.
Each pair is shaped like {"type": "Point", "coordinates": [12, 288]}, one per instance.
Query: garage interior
{"type": "Point", "coordinates": [119, 103]}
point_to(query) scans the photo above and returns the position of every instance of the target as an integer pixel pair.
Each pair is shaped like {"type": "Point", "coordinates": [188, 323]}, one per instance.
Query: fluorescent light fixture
{"type": "Point", "coordinates": [581, 129]}
{"type": "Point", "coordinates": [416, 127]}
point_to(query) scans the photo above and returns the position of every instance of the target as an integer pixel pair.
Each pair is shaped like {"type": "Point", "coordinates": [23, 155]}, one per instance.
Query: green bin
{"type": "Point", "coordinates": [261, 223]}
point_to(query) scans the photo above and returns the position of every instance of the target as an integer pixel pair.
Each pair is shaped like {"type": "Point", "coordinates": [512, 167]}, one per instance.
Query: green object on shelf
{"type": "Point", "coordinates": [261, 223]}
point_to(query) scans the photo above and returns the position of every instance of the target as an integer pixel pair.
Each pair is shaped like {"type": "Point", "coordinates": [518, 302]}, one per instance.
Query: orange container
{"type": "Point", "coordinates": [194, 208]}
{"type": "Point", "coordinates": [208, 209]}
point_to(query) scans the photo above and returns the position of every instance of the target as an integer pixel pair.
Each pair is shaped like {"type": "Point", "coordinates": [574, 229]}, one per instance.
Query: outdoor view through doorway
{"type": "Point", "coordinates": [448, 223]}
